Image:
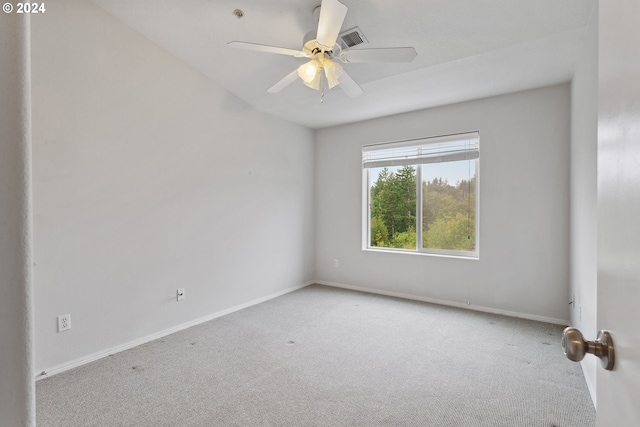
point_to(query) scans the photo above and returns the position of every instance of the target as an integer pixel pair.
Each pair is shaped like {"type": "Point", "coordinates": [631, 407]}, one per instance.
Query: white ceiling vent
{"type": "Point", "coordinates": [351, 38]}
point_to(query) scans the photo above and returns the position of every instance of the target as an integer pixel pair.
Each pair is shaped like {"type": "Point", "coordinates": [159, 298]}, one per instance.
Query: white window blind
{"type": "Point", "coordinates": [447, 148]}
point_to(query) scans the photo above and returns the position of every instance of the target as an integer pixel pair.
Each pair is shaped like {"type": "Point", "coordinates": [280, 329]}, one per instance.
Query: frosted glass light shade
{"type": "Point", "coordinates": [315, 70]}
{"type": "Point", "coordinates": [333, 71]}
{"type": "Point", "coordinates": [309, 71]}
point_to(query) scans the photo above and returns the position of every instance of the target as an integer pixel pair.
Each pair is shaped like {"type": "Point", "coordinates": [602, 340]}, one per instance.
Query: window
{"type": "Point", "coordinates": [421, 195]}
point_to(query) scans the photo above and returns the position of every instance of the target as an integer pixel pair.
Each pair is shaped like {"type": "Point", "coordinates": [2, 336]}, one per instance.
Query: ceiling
{"type": "Point", "coordinates": [467, 49]}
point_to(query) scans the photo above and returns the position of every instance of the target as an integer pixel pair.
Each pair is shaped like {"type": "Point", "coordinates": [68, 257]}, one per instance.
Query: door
{"type": "Point", "coordinates": [618, 391]}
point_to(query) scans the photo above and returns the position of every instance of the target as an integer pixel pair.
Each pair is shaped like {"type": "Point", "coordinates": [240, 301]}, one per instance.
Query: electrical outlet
{"type": "Point", "coordinates": [336, 264]}
{"type": "Point", "coordinates": [64, 322]}
{"type": "Point", "coordinates": [180, 294]}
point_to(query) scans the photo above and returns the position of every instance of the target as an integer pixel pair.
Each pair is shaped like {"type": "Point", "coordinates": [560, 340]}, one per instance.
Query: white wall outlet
{"type": "Point", "coordinates": [64, 322]}
{"type": "Point", "coordinates": [336, 264]}
{"type": "Point", "coordinates": [180, 294]}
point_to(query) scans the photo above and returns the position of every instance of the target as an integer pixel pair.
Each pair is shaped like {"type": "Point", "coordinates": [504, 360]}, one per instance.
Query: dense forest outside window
{"type": "Point", "coordinates": [393, 207]}
{"type": "Point", "coordinates": [422, 195]}
{"type": "Point", "coordinates": [449, 206]}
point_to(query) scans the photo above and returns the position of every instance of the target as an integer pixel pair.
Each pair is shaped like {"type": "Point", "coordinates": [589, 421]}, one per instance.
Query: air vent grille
{"type": "Point", "coordinates": [352, 37]}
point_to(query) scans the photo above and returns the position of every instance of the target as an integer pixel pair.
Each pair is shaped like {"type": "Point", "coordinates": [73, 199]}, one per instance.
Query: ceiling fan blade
{"type": "Point", "coordinates": [290, 78]}
{"type": "Point", "coordinates": [349, 86]}
{"type": "Point", "coordinates": [332, 14]}
{"type": "Point", "coordinates": [268, 49]}
{"type": "Point", "coordinates": [394, 54]}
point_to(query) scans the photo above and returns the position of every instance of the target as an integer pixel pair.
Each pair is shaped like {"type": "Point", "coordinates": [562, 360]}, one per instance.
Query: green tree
{"type": "Point", "coordinates": [393, 205]}
{"type": "Point", "coordinates": [405, 240]}
{"type": "Point", "coordinates": [448, 214]}
{"type": "Point", "coordinates": [452, 233]}
{"type": "Point", "coordinates": [376, 199]}
{"type": "Point", "coordinates": [405, 199]}
{"type": "Point", "coordinates": [379, 233]}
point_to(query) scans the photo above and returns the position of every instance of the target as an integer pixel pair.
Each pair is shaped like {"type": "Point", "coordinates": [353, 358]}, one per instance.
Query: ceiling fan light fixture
{"type": "Point", "coordinates": [311, 73]}
{"type": "Point", "coordinates": [308, 72]}
{"type": "Point", "coordinates": [333, 72]}
{"type": "Point", "coordinates": [311, 69]}
{"type": "Point", "coordinates": [319, 67]}
{"type": "Point", "coordinates": [320, 46]}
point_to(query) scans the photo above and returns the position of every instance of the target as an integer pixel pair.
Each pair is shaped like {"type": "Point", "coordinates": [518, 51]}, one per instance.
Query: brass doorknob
{"type": "Point", "coordinates": [575, 347]}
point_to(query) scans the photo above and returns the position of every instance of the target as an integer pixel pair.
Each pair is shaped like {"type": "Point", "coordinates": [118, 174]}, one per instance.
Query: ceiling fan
{"type": "Point", "coordinates": [322, 50]}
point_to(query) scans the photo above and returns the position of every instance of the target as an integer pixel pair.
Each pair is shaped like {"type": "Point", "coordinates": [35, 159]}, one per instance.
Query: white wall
{"type": "Point", "coordinates": [149, 177]}
{"type": "Point", "coordinates": [524, 206]}
{"type": "Point", "coordinates": [584, 186]}
{"type": "Point", "coordinates": [17, 389]}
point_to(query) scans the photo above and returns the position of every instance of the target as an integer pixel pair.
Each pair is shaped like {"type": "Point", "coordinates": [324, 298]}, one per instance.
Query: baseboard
{"type": "Point", "coordinates": [126, 346]}
{"type": "Point", "coordinates": [551, 320]}
{"type": "Point", "coordinates": [590, 383]}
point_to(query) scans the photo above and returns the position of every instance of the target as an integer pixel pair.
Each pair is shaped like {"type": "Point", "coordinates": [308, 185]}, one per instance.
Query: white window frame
{"type": "Point", "coordinates": [416, 158]}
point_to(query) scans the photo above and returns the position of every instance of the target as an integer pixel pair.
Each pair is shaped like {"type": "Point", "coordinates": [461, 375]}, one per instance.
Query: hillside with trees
{"type": "Point", "coordinates": [448, 212]}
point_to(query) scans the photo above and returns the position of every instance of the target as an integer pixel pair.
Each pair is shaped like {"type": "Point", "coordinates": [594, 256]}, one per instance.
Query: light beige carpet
{"type": "Point", "coordinates": [322, 356]}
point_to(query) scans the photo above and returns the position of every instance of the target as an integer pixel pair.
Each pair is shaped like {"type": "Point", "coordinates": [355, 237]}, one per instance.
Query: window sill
{"type": "Point", "coordinates": [429, 254]}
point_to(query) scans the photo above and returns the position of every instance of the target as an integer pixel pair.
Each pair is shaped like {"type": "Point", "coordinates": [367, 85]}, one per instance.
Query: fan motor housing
{"type": "Point", "coordinates": [312, 47]}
